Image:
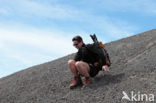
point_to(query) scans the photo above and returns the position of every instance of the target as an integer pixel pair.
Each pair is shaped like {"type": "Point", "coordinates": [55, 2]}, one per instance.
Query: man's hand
{"type": "Point", "coordinates": [105, 67]}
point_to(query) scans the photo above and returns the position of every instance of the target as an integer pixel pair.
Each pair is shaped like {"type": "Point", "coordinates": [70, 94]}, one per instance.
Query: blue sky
{"type": "Point", "coordinates": [37, 31]}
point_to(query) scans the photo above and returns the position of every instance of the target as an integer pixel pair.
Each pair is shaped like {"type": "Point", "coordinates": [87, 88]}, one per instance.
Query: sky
{"type": "Point", "coordinates": [33, 32]}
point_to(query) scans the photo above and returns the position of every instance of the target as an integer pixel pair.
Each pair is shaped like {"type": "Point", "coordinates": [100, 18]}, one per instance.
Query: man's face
{"type": "Point", "coordinates": [77, 44]}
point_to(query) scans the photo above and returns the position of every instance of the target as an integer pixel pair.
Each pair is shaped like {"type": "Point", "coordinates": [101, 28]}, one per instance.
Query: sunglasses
{"type": "Point", "coordinates": [75, 44]}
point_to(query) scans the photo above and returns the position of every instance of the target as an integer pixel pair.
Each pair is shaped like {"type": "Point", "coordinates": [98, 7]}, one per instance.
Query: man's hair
{"type": "Point", "coordinates": [77, 38]}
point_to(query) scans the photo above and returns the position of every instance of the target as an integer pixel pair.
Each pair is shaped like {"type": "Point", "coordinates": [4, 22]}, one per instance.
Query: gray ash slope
{"type": "Point", "coordinates": [133, 69]}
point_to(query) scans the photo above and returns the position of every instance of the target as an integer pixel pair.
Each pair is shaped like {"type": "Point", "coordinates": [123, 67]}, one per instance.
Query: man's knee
{"type": "Point", "coordinates": [71, 62]}
{"type": "Point", "coordinates": [78, 64]}
{"type": "Point", "coordinates": [81, 64]}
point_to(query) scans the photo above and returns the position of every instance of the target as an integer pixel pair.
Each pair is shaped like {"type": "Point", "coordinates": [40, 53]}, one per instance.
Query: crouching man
{"type": "Point", "coordinates": [85, 63]}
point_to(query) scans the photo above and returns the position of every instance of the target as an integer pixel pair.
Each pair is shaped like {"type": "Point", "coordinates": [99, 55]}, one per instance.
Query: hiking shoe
{"type": "Point", "coordinates": [76, 82]}
{"type": "Point", "coordinates": [87, 81]}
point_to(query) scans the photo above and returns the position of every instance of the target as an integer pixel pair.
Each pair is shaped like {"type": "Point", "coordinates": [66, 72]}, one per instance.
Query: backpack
{"type": "Point", "coordinates": [98, 48]}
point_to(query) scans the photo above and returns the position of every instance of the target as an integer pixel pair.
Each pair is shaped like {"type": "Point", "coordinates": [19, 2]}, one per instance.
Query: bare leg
{"type": "Point", "coordinates": [77, 79]}
{"type": "Point", "coordinates": [72, 67]}
{"type": "Point", "coordinates": [83, 68]}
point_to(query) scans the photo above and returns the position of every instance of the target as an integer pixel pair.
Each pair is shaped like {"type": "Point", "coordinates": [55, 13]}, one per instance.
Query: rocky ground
{"type": "Point", "coordinates": [133, 69]}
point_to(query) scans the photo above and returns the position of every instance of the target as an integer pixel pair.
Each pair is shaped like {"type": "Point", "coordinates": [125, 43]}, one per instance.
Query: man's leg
{"type": "Point", "coordinates": [84, 69]}
{"type": "Point", "coordinates": [72, 67]}
{"type": "Point", "coordinates": [77, 79]}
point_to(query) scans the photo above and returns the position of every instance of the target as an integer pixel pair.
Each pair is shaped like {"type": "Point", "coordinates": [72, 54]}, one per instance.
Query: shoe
{"type": "Point", "coordinates": [76, 82]}
{"type": "Point", "coordinates": [87, 81]}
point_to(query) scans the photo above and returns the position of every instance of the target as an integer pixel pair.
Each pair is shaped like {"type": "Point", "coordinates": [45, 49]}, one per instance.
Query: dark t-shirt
{"type": "Point", "coordinates": [84, 54]}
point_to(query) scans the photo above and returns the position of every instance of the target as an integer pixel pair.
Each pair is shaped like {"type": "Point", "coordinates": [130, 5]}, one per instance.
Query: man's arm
{"type": "Point", "coordinates": [105, 67]}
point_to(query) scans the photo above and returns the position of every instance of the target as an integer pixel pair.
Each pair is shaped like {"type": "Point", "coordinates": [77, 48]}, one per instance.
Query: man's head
{"type": "Point", "coordinates": [77, 41]}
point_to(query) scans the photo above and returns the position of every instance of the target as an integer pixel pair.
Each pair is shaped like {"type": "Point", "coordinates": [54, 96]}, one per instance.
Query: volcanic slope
{"type": "Point", "coordinates": [133, 69]}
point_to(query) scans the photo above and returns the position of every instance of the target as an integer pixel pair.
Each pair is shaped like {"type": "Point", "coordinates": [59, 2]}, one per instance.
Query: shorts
{"type": "Point", "coordinates": [93, 70]}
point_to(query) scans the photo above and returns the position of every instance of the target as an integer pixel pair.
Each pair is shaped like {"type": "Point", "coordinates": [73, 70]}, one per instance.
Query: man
{"type": "Point", "coordinates": [85, 63]}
